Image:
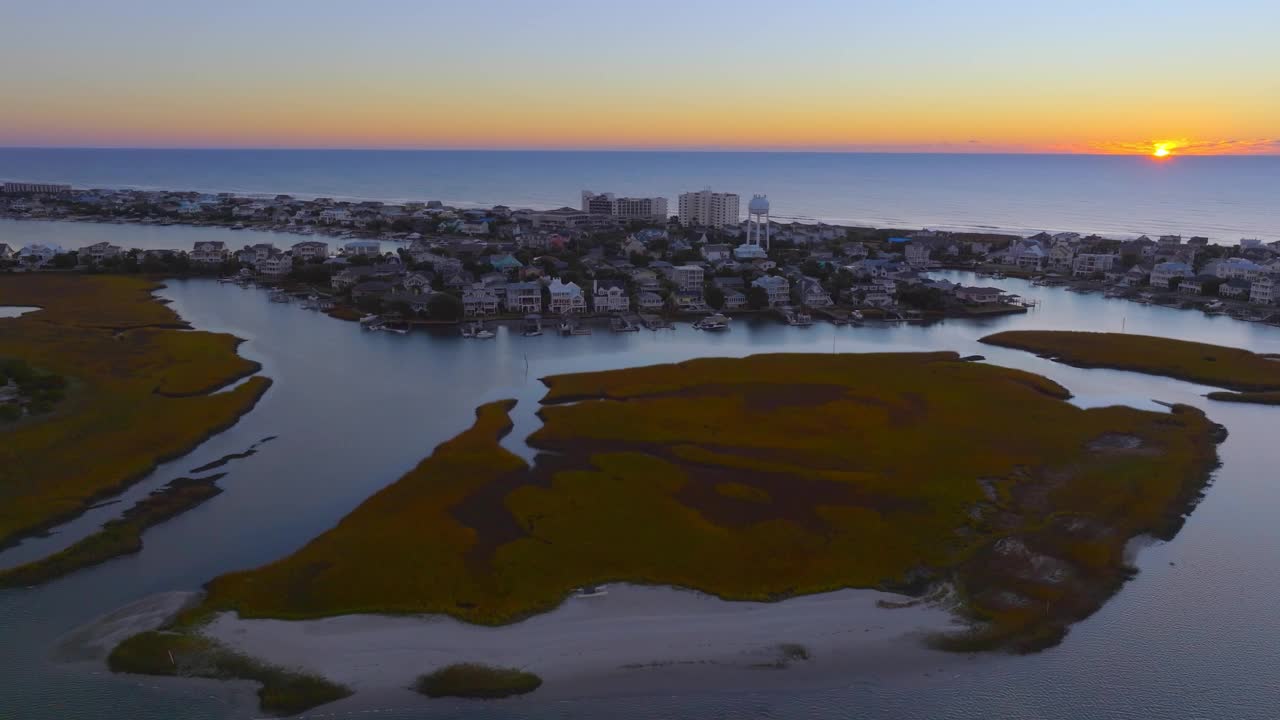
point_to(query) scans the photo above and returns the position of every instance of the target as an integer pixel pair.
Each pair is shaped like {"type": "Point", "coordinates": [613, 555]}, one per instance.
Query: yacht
{"type": "Point", "coordinates": [712, 322]}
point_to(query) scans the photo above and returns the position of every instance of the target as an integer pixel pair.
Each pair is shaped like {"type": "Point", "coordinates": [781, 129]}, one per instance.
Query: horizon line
{"type": "Point", "coordinates": [623, 149]}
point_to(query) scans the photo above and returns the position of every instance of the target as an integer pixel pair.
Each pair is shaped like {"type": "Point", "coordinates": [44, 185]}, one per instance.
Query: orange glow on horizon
{"type": "Point", "coordinates": [1163, 149]}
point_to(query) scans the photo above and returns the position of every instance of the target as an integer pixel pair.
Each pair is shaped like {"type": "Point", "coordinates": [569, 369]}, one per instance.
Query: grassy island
{"type": "Point", "coordinates": [765, 478]}
{"type": "Point", "coordinates": [283, 691]}
{"type": "Point", "coordinates": [469, 680]}
{"type": "Point", "coordinates": [140, 388]}
{"type": "Point", "coordinates": [1253, 377]}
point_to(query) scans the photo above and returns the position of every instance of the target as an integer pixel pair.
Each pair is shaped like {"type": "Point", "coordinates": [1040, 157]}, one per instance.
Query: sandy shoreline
{"type": "Point", "coordinates": [632, 640]}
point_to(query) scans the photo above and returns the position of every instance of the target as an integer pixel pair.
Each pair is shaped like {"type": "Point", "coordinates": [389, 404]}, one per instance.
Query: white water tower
{"type": "Point", "coordinates": [758, 221]}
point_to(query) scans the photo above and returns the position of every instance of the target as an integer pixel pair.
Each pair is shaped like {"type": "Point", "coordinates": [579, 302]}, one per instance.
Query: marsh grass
{"type": "Point", "coordinates": [283, 691]}
{"type": "Point", "coordinates": [892, 471]}
{"type": "Point", "coordinates": [472, 680]}
{"type": "Point", "coordinates": [117, 537]}
{"type": "Point", "coordinates": [140, 393]}
{"type": "Point", "coordinates": [1224, 367]}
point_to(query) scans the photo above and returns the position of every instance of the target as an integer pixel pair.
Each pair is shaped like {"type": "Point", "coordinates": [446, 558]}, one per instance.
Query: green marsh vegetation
{"type": "Point", "coordinates": [140, 389]}
{"type": "Point", "coordinates": [472, 680]}
{"type": "Point", "coordinates": [765, 478]}
{"type": "Point", "coordinates": [1254, 377]}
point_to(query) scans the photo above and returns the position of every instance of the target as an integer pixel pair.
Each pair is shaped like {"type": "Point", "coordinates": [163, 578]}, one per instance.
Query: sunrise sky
{"type": "Point", "coordinates": [911, 75]}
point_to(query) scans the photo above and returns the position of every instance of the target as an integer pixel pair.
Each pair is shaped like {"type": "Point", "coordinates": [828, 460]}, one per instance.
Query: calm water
{"type": "Point", "coordinates": [1196, 634]}
{"type": "Point", "coordinates": [1224, 198]}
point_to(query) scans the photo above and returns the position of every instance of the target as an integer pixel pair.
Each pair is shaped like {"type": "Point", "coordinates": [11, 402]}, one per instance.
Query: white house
{"type": "Point", "coordinates": [335, 216]}
{"type": "Point", "coordinates": [1164, 273]}
{"type": "Point", "coordinates": [611, 299]}
{"type": "Point", "coordinates": [714, 253]}
{"type": "Point", "coordinates": [778, 288]}
{"type": "Point", "coordinates": [1264, 290]}
{"type": "Point", "coordinates": [1086, 264]}
{"type": "Point", "coordinates": [566, 297]}
{"type": "Point", "coordinates": [311, 249]}
{"type": "Point", "coordinates": [363, 247]}
{"type": "Point", "coordinates": [479, 301]}
{"type": "Point", "coordinates": [209, 252]}
{"type": "Point", "coordinates": [275, 266]}
{"type": "Point", "coordinates": [37, 255]}
{"type": "Point", "coordinates": [1238, 269]}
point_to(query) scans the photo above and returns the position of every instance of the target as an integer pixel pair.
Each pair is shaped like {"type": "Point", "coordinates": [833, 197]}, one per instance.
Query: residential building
{"type": "Point", "coordinates": [20, 188]}
{"type": "Point", "coordinates": [6, 252]}
{"type": "Point", "coordinates": [647, 208]}
{"type": "Point", "coordinates": [610, 299]}
{"type": "Point", "coordinates": [813, 295]}
{"type": "Point", "coordinates": [688, 277]}
{"type": "Point", "coordinates": [275, 266]}
{"type": "Point", "coordinates": [978, 295]}
{"type": "Point", "coordinates": [1236, 289]}
{"type": "Point", "coordinates": [1200, 285]}
{"type": "Point", "coordinates": [714, 253]}
{"type": "Point", "coordinates": [734, 300]}
{"type": "Point", "coordinates": [1264, 290]}
{"type": "Point", "coordinates": [1086, 264]}
{"type": "Point", "coordinates": [705, 208]}
{"type": "Point", "coordinates": [98, 252]}
{"type": "Point", "coordinates": [479, 301]}
{"type": "Point", "coordinates": [566, 297]}
{"type": "Point", "coordinates": [37, 255]}
{"type": "Point", "coordinates": [1238, 269]}
{"type": "Point", "coordinates": [209, 252]}
{"type": "Point", "coordinates": [1162, 275]}
{"type": "Point", "coordinates": [777, 287]}
{"type": "Point", "coordinates": [363, 247]}
{"type": "Point", "coordinates": [310, 250]}
{"type": "Point", "coordinates": [649, 301]}
{"type": "Point", "coordinates": [524, 297]}
{"type": "Point", "coordinates": [917, 254]}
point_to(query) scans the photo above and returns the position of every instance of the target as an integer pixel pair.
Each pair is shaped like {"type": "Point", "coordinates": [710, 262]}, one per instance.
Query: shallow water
{"type": "Point", "coordinates": [1194, 635]}
{"type": "Point", "coordinates": [13, 311]}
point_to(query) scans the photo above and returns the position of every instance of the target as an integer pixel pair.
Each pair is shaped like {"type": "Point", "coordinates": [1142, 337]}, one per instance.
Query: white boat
{"type": "Point", "coordinates": [369, 320]}
{"type": "Point", "coordinates": [856, 315]}
{"type": "Point", "coordinates": [712, 322]}
{"type": "Point", "coordinates": [484, 334]}
{"type": "Point", "coordinates": [799, 319]}
{"type": "Point", "coordinates": [398, 331]}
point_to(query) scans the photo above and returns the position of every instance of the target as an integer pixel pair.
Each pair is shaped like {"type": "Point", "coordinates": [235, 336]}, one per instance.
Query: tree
{"type": "Point", "coordinates": [443, 306]}
{"type": "Point", "coordinates": [922, 298]}
{"type": "Point", "coordinates": [65, 261]}
{"type": "Point", "coordinates": [714, 296]}
{"type": "Point", "coordinates": [757, 297]}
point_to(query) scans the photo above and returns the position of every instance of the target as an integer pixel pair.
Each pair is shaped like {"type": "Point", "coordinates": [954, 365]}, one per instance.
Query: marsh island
{"type": "Point", "coordinates": [765, 478]}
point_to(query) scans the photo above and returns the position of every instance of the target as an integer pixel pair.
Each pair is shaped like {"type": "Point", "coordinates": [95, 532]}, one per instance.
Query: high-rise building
{"type": "Point", "coordinates": [649, 208]}
{"type": "Point", "coordinates": [708, 209]}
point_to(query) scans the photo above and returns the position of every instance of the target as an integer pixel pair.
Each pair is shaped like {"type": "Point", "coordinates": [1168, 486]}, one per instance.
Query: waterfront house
{"type": "Point", "coordinates": [1200, 285]}
{"type": "Point", "coordinates": [1238, 269]}
{"type": "Point", "coordinates": [813, 295]}
{"type": "Point", "coordinates": [686, 301]}
{"type": "Point", "coordinates": [6, 252]}
{"type": "Point", "coordinates": [1236, 289]}
{"type": "Point", "coordinates": [98, 252]}
{"type": "Point", "coordinates": [1264, 290]}
{"type": "Point", "coordinates": [368, 248]}
{"type": "Point", "coordinates": [1136, 276]}
{"type": "Point", "coordinates": [37, 255]}
{"type": "Point", "coordinates": [978, 295]}
{"type": "Point", "coordinates": [688, 277]}
{"type": "Point", "coordinates": [479, 301]}
{"type": "Point", "coordinates": [734, 300]}
{"type": "Point", "coordinates": [309, 250]}
{"type": "Point", "coordinates": [1162, 275]}
{"type": "Point", "coordinates": [524, 297]}
{"type": "Point", "coordinates": [1088, 264]}
{"type": "Point", "coordinates": [210, 252]}
{"type": "Point", "coordinates": [877, 299]}
{"type": "Point", "coordinates": [566, 297]}
{"type": "Point", "coordinates": [1062, 256]}
{"type": "Point", "coordinates": [610, 299]}
{"type": "Point", "coordinates": [275, 266]}
{"type": "Point", "coordinates": [370, 289]}
{"type": "Point", "coordinates": [778, 288]}
{"type": "Point", "coordinates": [649, 301]}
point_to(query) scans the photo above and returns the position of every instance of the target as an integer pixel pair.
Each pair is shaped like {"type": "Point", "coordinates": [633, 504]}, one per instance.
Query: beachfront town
{"type": "Point", "coordinates": [395, 265]}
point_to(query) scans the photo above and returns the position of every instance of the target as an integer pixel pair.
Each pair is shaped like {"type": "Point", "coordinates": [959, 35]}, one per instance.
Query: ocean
{"type": "Point", "coordinates": [1223, 198]}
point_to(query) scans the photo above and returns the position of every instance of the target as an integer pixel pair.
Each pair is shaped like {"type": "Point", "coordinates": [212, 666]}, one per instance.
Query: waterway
{"type": "Point", "coordinates": [1194, 635]}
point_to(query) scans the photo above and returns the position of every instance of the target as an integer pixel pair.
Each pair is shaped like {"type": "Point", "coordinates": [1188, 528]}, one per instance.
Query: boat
{"type": "Point", "coordinates": [278, 296]}
{"type": "Point", "coordinates": [476, 330]}
{"type": "Point", "coordinates": [799, 319]}
{"type": "Point", "coordinates": [396, 330]}
{"type": "Point", "coordinates": [368, 320]}
{"type": "Point", "coordinates": [589, 591]}
{"type": "Point", "coordinates": [715, 321]}
{"type": "Point", "coordinates": [226, 280]}
{"type": "Point", "coordinates": [468, 331]}
{"type": "Point", "coordinates": [855, 316]}
{"type": "Point", "coordinates": [532, 325]}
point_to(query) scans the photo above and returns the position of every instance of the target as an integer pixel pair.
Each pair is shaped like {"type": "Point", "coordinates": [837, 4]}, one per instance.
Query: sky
{"type": "Point", "coordinates": [904, 76]}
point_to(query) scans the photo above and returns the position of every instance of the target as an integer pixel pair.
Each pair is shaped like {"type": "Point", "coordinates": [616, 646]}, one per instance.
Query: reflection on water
{"type": "Point", "coordinates": [353, 410]}
{"type": "Point", "coordinates": [13, 311]}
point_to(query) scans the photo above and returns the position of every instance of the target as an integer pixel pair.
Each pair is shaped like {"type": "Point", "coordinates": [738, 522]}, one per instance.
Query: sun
{"type": "Point", "coordinates": [1163, 149]}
